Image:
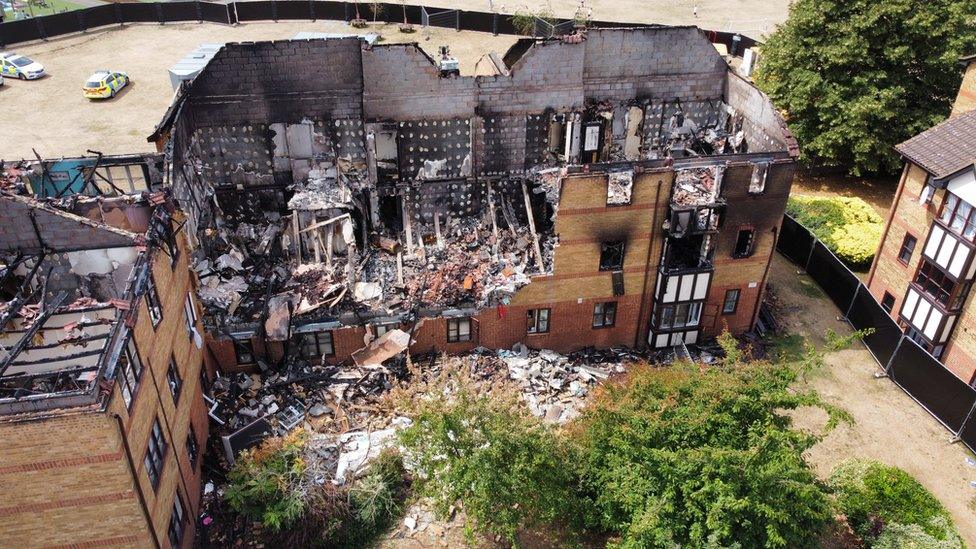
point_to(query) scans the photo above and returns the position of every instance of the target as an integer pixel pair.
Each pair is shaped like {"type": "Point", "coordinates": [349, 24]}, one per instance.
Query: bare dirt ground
{"type": "Point", "coordinates": [52, 116]}
{"type": "Point", "coordinates": [888, 425]}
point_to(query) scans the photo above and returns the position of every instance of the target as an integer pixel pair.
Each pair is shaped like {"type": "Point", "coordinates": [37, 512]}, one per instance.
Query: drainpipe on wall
{"type": "Point", "coordinates": [135, 480]}
{"type": "Point", "coordinates": [887, 227]}
{"type": "Point", "coordinates": [639, 341]}
{"type": "Point", "coordinates": [762, 284]}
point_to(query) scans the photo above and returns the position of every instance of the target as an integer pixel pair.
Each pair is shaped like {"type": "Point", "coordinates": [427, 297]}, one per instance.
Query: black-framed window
{"type": "Point", "coordinates": [316, 344]}
{"type": "Point", "coordinates": [131, 372]}
{"type": "Point", "coordinates": [959, 215]}
{"type": "Point", "coordinates": [935, 283]}
{"type": "Point", "coordinates": [177, 522]}
{"type": "Point", "coordinates": [887, 302]}
{"type": "Point", "coordinates": [192, 448]}
{"type": "Point", "coordinates": [537, 321]}
{"type": "Point", "coordinates": [679, 315]}
{"type": "Point", "coordinates": [244, 351]}
{"type": "Point", "coordinates": [604, 314]}
{"type": "Point", "coordinates": [612, 256]}
{"type": "Point", "coordinates": [731, 301]}
{"type": "Point", "coordinates": [152, 302]}
{"type": "Point", "coordinates": [907, 248]}
{"type": "Point", "coordinates": [155, 452]}
{"type": "Point", "coordinates": [173, 379]}
{"type": "Point", "coordinates": [458, 329]}
{"type": "Point", "coordinates": [744, 243]}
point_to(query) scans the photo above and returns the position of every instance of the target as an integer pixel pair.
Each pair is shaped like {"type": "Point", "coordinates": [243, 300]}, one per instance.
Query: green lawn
{"type": "Point", "coordinates": [52, 6]}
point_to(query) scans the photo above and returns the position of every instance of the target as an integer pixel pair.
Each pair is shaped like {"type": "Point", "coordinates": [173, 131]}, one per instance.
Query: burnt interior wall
{"type": "Point", "coordinates": [283, 81]}
{"type": "Point", "coordinates": [55, 230]}
{"type": "Point", "coordinates": [765, 129]}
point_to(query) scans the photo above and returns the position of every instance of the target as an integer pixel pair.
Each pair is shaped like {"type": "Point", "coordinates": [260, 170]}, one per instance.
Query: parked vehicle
{"type": "Point", "coordinates": [20, 66]}
{"type": "Point", "coordinates": [105, 84]}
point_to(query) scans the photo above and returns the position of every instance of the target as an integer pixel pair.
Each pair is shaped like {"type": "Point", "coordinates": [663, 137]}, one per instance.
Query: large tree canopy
{"type": "Point", "coordinates": [856, 77]}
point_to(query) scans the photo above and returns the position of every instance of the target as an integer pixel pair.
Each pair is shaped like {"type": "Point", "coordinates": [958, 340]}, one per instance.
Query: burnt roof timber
{"type": "Point", "coordinates": [22, 294]}
{"type": "Point", "coordinates": [29, 334]}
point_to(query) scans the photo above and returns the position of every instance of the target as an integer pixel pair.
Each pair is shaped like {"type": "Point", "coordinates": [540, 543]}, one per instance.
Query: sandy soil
{"type": "Point", "coordinates": [888, 425]}
{"type": "Point", "coordinates": [52, 116]}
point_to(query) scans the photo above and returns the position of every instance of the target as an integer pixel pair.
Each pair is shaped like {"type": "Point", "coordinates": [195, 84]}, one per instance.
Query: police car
{"type": "Point", "coordinates": [20, 66]}
{"type": "Point", "coordinates": [105, 84]}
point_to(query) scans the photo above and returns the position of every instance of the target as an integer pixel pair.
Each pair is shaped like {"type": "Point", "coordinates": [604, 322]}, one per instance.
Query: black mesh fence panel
{"type": "Point", "coordinates": [139, 12]}
{"type": "Point", "coordinates": [968, 434]}
{"type": "Point", "coordinates": [61, 23]}
{"type": "Point", "coordinates": [254, 11]}
{"type": "Point", "coordinates": [100, 16]}
{"type": "Point", "coordinates": [795, 241]}
{"type": "Point", "coordinates": [215, 13]}
{"type": "Point", "coordinates": [945, 395]}
{"type": "Point", "coordinates": [477, 21]}
{"type": "Point", "coordinates": [180, 11]}
{"type": "Point", "coordinates": [867, 313]}
{"type": "Point", "coordinates": [832, 276]}
{"type": "Point", "coordinates": [294, 9]}
{"type": "Point", "coordinates": [20, 31]}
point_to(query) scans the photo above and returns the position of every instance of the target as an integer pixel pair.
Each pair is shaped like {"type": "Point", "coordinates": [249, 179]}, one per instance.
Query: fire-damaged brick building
{"type": "Point", "coordinates": [926, 261]}
{"type": "Point", "coordinates": [620, 187]}
{"type": "Point", "coordinates": [102, 415]}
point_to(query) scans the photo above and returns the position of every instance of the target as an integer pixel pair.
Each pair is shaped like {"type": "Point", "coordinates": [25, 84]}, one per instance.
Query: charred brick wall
{"type": "Point", "coordinates": [402, 83]}
{"type": "Point", "coordinates": [56, 230]}
{"type": "Point", "coordinates": [760, 212]}
{"type": "Point", "coordinates": [623, 64]}
{"type": "Point", "coordinates": [284, 81]}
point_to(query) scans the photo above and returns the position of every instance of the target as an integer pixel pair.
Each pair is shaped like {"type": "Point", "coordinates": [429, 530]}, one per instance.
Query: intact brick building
{"type": "Point", "coordinates": [924, 268]}
{"type": "Point", "coordinates": [101, 413]}
{"type": "Point", "coordinates": [621, 187]}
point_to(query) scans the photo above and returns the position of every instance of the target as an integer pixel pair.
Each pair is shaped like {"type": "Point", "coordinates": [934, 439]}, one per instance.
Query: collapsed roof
{"type": "Point", "coordinates": [344, 181]}
{"type": "Point", "coordinates": [69, 275]}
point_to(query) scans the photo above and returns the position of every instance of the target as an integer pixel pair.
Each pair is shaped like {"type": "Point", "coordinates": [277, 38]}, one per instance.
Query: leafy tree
{"type": "Point", "coordinates": [683, 456]}
{"type": "Point", "coordinates": [480, 446]}
{"type": "Point", "coordinates": [856, 77]}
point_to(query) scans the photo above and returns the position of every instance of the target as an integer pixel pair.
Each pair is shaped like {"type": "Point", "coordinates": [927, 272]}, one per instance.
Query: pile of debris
{"type": "Point", "coordinates": [697, 186]}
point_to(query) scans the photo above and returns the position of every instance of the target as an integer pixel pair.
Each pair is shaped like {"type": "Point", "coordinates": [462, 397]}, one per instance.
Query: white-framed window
{"type": "Point", "coordinates": [537, 321]}
{"type": "Point", "coordinates": [458, 329]}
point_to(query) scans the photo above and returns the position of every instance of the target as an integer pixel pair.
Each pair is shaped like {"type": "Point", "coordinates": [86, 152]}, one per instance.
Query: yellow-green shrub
{"type": "Point", "coordinates": [849, 227]}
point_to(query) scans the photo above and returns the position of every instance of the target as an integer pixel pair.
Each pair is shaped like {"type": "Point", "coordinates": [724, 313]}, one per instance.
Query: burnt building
{"type": "Point", "coordinates": [102, 415]}
{"type": "Point", "coordinates": [620, 187]}
{"type": "Point", "coordinates": [926, 261]}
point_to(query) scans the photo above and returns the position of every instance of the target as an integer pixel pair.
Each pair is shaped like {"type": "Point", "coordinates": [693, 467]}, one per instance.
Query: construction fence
{"type": "Point", "coordinates": [949, 399]}
{"type": "Point", "coordinates": [82, 20]}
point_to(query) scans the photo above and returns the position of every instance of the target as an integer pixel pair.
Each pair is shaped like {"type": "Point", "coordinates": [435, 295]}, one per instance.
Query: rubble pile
{"type": "Point", "coordinates": [722, 133]}
{"type": "Point", "coordinates": [697, 186]}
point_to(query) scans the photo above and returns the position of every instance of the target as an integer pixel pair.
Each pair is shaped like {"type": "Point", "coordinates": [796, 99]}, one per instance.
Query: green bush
{"type": "Point", "coordinates": [483, 449]}
{"type": "Point", "coordinates": [686, 457]}
{"type": "Point", "coordinates": [886, 507]}
{"type": "Point", "coordinates": [376, 500]}
{"type": "Point", "coordinates": [264, 484]}
{"type": "Point", "coordinates": [849, 227]}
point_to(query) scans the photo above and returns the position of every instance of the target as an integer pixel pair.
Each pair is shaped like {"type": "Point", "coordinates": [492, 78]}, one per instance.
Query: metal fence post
{"type": "Point", "coordinates": [159, 13]}
{"type": "Point", "coordinates": [494, 24]}
{"type": "Point", "coordinates": [81, 19]}
{"type": "Point", "coordinates": [274, 10]}
{"type": "Point", "coordinates": [457, 20]}
{"type": "Point", "coordinates": [311, 9]}
{"type": "Point", "coordinates": [348, 13]}
{"type": "Point", "coordinates": [887, 368]}
{"type": "Point", "coordinates": [199, 11]}
{"type": "Point", "coordinates": [958, 435]}
{"type": "Point", "coordinates": [813, 246]}
{"type": "Point", "coordinates": [39, 21]}
{"type": "Point", "coordinates": [853, 299]}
